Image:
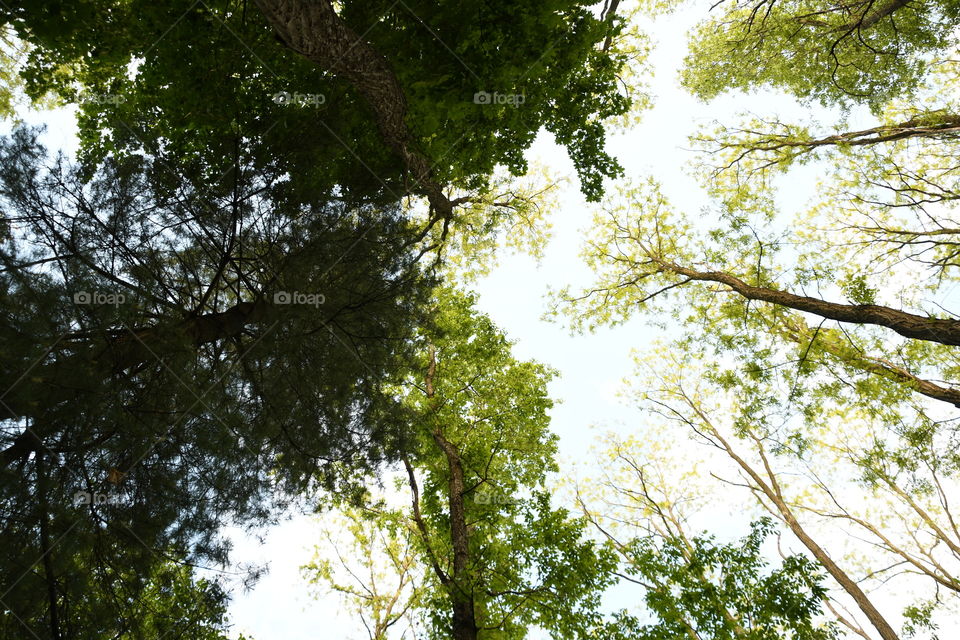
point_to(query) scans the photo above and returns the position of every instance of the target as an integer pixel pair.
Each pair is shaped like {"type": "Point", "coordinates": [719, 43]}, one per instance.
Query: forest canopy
{"type": "Point", "coordinates": [255, 292]}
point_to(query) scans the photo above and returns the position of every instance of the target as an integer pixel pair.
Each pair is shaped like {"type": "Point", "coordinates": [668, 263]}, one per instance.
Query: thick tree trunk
{"type": "Point", "coordinates": [46, 547]}
{"type": "Point", "coordinates": [314, 30]}
{"type": "Point", "coordinates": [461, 592]}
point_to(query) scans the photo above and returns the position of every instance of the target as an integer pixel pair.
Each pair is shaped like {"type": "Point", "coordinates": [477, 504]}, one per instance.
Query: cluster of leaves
{"type": "Point", "coordinates": [831, 52]}
{"type": "Point", "coordinates": [723, 591]}
{"type": "Point", "coordinates": [183, 76]}
{"type": "Point", "coordinates": [487, 537]}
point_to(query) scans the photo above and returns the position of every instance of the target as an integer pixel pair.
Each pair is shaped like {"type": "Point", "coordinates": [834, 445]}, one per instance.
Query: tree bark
{"type": "Point", "coordinates": [945, 126]}
{"type": "Point", "coordinates": [458, 584]}
{"type": "Point", "coordinates": [871, 18]}
{"type": "Point", "coordinates": [314, 30]}
{"type": "Point", "coordinates": [909, 325]}
{"type": "Point", "coordinates": [464, 618]}
{"type": "Point", "coordinates": [46, 548]}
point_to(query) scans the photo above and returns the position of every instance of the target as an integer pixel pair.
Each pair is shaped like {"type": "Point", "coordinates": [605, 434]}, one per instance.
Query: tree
{"type": "Point", "coordinates": [795, 465]}
{"type": "Point", "coordinates": [95, 601]}
{"type": "Point", "coordinates": [174, 357]}
{"type": "Point", "coordinates": [419, 74]}
{"type": "Point", "coordinates": [376, 571]}
{"type": "Point", "coordinates": [790, 397]}
{"type": "Point", "coordinates": [13, 53]}
{"type": "Point", "coordinates": [497, 558]}
{"type": "Point", "coordinates": [646, 502]}
{"type": "Point", "coordinates": [816, 343]}
{"type": "Point", "coordinates": [831, 52]}
{"type": "Point", "coordinates": [210, 216]}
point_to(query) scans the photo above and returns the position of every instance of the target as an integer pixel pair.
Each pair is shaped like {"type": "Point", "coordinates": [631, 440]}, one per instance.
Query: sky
{"type": "Point", "coordinates": [591, 367]}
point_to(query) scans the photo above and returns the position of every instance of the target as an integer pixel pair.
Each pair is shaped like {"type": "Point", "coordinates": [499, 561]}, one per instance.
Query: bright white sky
{"type": "Point", "coordinates": [591, 367]}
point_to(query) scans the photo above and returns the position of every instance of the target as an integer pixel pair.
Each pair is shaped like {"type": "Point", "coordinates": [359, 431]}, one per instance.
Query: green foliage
{"type": "Point", "coordinates": [200, 397]}
{"type": "Point", "coordinates": [222, 172]}
{"type": "Point", "coordinates": [858, 291]}
{"type": "Point", "coordinates": [918, 619]}
{"type": "Point", "coordinates": [720, 591]}
{"type": "Point", "coordinates": [377, 572]}
{"type": "Point", "coordinates": [529, 565]}
{"type": "Point", "coordinates": [205, 71]}
{"type": "Point", "coordinates": [13, 53]}
{"type": "Point", "coordinates": [179, 395]}
{"type": "Point", "coordinates": [170, 601]}
{"type": "Point", "coordinates": [830, 52]}
{"type": "Point", "coordinates": [852, 421]}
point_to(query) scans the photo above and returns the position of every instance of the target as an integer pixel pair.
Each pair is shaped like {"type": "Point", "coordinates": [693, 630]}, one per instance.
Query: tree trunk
{"type": "Point", "coordinates": [314, 30]}
{"type": "Point", "coordinates": [46, 548]}
{"type": "Point", "coordinates": [848, 584]}
{"type": "Point", "coordinates": [909, 325]}
{"type": "Point", "coordinates": [461, 591]}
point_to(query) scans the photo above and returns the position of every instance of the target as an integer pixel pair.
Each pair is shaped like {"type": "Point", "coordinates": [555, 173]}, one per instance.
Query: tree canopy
{"type": "Point", "coordinates": [248, 296]}
{"type": "Point", "coordinates": [813, 347]}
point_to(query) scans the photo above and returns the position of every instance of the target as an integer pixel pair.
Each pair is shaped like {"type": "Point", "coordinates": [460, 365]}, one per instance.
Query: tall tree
{"type": "Point", "coordinates": [174, 356]}
{"type": "Point", "coordinates": [647, 500]}
{"type": "Point", "coordinates": [822, 332]}
{"type": "Point", "coordinates": [498, 558]}
{"type": "Point", "coordinates": [816, 394]}
{"type": "Point", "coordinates": [237, 221]}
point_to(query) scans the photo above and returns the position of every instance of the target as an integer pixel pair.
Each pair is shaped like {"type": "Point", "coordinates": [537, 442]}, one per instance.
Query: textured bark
{"type": "Point", "coordinates": [909, 325]}
{"type": "Point", "coordinates": [861, 21]}
{"type": "Point", "coordinates": [46, 547]}
{"type": "Point", "coordinates": [873, 17]}
{"type": "Point", "coordinates": [464, 620]}
{"type": "Point", "coordinates": [314, 30]}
